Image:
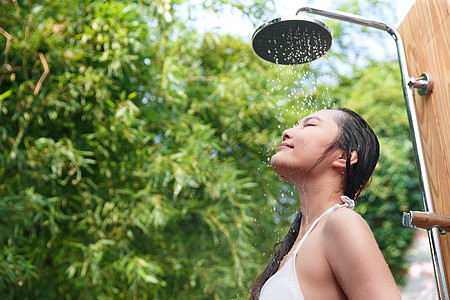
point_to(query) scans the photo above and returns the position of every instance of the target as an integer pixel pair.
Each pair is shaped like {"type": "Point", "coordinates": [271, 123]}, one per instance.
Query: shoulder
{"type": "Point", "coordinates": [346, 221]}
{"type": "Point", "coordinates": [354, 257]}
{"type": "Point", "coordinates": [346, 233]}
{"type": "Point", "coordinates": [349, 242]}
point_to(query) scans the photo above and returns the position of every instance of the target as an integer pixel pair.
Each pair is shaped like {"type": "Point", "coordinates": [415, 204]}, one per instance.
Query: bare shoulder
{"type": "Point", "coordinates": [348, 239]}
{"type": "Point", "coordinates": [348, 222]}
{"type": "Point", "coordinates": [343, 219]}
{"type": "Point", "coordinates": [355, 259]}
{"type": "Point", "coordinates": [345, 231]}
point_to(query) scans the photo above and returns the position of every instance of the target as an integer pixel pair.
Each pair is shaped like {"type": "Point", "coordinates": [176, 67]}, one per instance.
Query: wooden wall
{"type": "Point", "coordinates": [426, 37]}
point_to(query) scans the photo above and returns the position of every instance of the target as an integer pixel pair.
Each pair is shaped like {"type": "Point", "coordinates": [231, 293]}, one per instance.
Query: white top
{"type": "Point", "coordinates": [284, 285]}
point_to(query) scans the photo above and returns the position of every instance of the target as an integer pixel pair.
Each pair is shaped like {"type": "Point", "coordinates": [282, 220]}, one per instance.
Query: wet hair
{"type": "Point", "coordinates": [354, 134]}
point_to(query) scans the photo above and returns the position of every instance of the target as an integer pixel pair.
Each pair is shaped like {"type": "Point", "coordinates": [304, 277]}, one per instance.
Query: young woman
{"type": "Point", "coordinates": [329, 252]}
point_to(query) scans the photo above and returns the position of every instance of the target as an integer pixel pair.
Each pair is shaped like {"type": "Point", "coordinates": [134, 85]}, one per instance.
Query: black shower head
{"type": "Point", "coordinates": [291, 41]}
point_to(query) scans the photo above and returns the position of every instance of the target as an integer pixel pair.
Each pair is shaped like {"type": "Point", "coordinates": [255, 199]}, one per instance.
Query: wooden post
{"type": "Point", "coordinates": [426, 37]}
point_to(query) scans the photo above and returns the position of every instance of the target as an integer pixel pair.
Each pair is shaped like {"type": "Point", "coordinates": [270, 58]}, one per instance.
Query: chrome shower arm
{"type": "Point", "coordinates": [343, 16]}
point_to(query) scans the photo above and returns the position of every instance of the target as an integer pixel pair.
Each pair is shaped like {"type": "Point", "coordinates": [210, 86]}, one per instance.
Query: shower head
{"type": "Point", "coordinates": [291, 41]}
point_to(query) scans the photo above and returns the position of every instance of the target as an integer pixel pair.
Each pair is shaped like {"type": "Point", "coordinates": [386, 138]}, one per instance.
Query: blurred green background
{"type": "Point", "coordinates": [134, 148]}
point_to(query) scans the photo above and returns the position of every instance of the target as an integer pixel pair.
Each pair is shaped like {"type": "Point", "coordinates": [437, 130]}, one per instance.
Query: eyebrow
{"type": "Point", "coordinates": [309, 119]}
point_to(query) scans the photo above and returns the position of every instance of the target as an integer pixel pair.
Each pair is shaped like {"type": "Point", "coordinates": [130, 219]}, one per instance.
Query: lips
{"type": "Point", "coordinates": [284, 145]}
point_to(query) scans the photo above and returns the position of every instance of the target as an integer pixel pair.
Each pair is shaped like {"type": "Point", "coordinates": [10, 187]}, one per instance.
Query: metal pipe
{"type": "Point", "coordinates": [408, 92]}
{"type": "Point", "coordinates": [426, 220]}
{"type": "Point", "coordinates": [343, 16]}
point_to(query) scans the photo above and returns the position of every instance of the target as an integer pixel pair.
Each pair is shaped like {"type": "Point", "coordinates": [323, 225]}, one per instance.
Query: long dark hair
{"type": "Point", "coordinates": [354, 134]}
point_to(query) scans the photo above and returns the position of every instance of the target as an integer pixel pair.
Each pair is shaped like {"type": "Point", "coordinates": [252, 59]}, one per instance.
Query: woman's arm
{"type": "Point", "coordinates": [355, 259]}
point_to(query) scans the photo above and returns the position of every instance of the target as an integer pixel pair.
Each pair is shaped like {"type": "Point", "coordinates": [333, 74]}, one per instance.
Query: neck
{"type": "Point", "coordinates": [316, 195]}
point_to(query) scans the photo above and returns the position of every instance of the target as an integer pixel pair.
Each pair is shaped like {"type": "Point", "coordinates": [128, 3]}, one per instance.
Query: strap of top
{"type": "Point", "coordinates": [349, 203]}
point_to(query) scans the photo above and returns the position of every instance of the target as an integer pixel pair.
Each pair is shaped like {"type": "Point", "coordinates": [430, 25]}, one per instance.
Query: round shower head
{"type": "Point", "coordinates": [291, 41]}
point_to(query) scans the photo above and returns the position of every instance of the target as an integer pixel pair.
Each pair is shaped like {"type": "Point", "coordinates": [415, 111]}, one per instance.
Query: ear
{"type": "Point", "coordinates": [341, 161]}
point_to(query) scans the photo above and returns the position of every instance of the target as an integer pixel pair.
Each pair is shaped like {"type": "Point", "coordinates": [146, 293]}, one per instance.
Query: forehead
{"type": "Point", "coordinates": [325, 116]}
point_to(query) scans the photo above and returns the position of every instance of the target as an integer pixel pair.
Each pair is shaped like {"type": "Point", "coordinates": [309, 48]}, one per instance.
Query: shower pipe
{"type": "Point", "coordinates": [424, 83]}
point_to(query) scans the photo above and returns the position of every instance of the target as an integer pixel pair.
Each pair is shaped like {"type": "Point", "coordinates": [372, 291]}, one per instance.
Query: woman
{"type": "Point", "coordinates": [329, 251]}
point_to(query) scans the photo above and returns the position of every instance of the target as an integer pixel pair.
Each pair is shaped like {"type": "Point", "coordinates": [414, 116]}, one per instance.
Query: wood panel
{"type": "Point", "coordinates": [426, 36]}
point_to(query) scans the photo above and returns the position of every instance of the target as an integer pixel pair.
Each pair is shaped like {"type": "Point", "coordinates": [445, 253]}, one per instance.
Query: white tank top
{"type": "Point", "coordinates": [284, 285]}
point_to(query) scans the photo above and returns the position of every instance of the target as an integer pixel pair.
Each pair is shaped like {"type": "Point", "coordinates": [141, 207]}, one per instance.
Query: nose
{"type": "Point", "coordinates": [287, 134]}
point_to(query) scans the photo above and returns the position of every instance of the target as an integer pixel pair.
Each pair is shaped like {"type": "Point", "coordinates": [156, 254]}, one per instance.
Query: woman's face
{"type": "Point", "coordinates": [304, 144]}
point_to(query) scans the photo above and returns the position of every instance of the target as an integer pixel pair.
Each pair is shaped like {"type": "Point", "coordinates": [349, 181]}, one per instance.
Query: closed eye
{"type": "Point", "coordinates": [309, 124]}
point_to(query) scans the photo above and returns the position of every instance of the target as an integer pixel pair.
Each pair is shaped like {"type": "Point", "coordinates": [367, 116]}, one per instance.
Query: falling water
{"type": "Point", "coordinates": [297, 91]}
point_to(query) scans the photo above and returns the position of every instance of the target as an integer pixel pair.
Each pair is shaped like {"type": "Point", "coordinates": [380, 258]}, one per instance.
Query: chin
{"type": "Point", "coordinates": [282, 168]}
{"type": "Point", "coordinates": [275, 162]}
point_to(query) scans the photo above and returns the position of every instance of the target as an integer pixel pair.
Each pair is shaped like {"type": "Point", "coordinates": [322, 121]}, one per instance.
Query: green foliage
{"type": "Point", "coordinates": [136, 167]}
{"type": "Point", "coordinates": [123, 173]}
